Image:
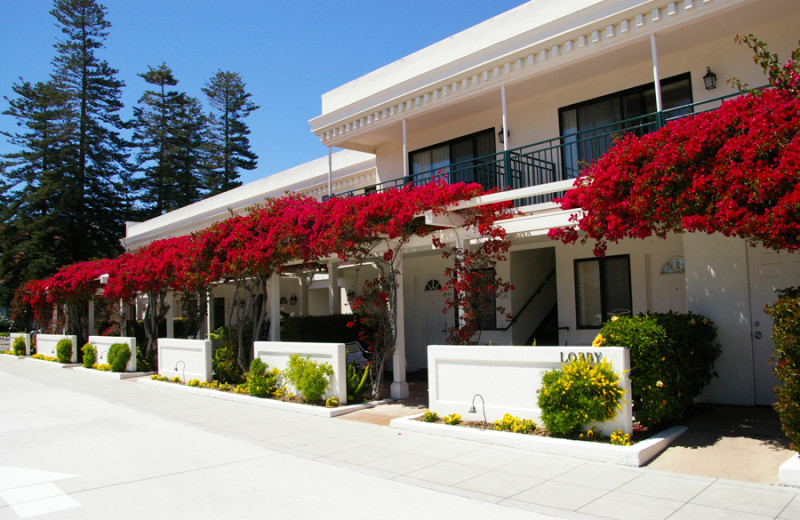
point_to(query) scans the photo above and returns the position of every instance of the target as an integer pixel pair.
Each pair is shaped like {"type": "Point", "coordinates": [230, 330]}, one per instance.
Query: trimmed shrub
{"type": "Point", "coordinates": [118, 356]}
{"type": "Point", "coordinates": [579, 394]}
{"type": "Point", "coordinates": [785, 314]}
{"type": "Point", "coordinates": [323, 329]}
{"type": "Point", "coordinates": [261, 382]}
{"type": "Point", "coordinates": [672, 360]}
{"type": "Point", "coordinates": [309, 377]}
{"type": "Point", "coordinates": [226, 366]}
{"type": "Point", "coordinates": [64, 351]}
{"type": "Point", "coordinates": [19, 346]}
{"type": "Point", "coordinates": [89, 355]}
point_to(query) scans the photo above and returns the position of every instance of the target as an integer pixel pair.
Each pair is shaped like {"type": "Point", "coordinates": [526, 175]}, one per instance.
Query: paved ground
{"type": "Point", "coordinates": [80, 446]}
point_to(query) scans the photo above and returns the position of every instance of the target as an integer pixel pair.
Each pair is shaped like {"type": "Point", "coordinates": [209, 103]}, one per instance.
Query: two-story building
{"type": "Point", "coordinates": [520, 102]}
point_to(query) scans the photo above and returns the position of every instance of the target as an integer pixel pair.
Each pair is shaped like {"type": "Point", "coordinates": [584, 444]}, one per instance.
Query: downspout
{"type": "Point", "coordinates": [505, 117]}
{"type": "Point", "coordinates": [405, 150]}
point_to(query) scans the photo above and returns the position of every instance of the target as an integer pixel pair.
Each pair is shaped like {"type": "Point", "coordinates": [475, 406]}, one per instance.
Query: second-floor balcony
{"type": "Point", "coordinates": [551, 160]}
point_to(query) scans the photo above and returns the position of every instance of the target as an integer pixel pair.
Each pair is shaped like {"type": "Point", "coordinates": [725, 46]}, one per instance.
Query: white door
{"type": "Point", "coordinates": [769, 271]}
{"type": "Point", "coordinates": [433, 322]}
{"type": "Point", "coordinates": [667, 284]}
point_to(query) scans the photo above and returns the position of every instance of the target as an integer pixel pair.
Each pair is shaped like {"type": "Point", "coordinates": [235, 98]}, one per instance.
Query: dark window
{"type": "Point", "coordinates": [466, 159]}
{"type": "Point", "coordinates": [219, 313]}
{"type": "Point", "coordinates": [486, 300]}
{"type": "Point", "coordinates": [602, 290]}
{"type": "Point", "coordinates": [589, 128]}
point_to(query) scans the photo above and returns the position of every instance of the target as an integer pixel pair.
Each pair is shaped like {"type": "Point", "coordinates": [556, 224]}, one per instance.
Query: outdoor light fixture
{"type": "Point", "coordinates": [184, 369]}
{"type": "Point", "coordinates": [710, 79]}
{"type": "Point", "coordinates": [501, 137]}
{"type": "Point", "coordinates": [473, 410]}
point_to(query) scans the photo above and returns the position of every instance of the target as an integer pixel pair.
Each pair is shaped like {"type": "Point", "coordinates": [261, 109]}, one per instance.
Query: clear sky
{"type": "Point", "coordinates": [288, 52]}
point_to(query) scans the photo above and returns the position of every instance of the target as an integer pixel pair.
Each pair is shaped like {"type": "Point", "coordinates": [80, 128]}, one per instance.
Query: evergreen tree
{"type": "Point", "coordinates": [34, 194]}
{"type": "Point", "coordinates": [96, 153]}
{"type": "Point", "coordinates": [60, 191]}
{"type": "Point", "coordinates": [169, 131]}
{"type": "Point", "coordinates": [230, 104]}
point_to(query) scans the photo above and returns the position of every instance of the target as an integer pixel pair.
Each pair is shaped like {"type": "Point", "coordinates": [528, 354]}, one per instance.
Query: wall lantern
{"type": "Point", "coordinates": [500, 136]}
{"type": "Point", "coordinates": [710, 79]}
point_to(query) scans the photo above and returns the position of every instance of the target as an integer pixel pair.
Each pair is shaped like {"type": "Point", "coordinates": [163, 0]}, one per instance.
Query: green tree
{"type": "Point", "coordinates": [34, 188]}
{"type": "Point", "coordinates": [169, 132]}
{"type": "Point", "coordinates": [230, 104]}
{"type": "Point", "coordinates": [95, 150]}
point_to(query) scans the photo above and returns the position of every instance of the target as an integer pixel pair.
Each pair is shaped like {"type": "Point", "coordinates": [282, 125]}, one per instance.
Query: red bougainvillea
{"type": "Point", "coordinates": [735, 171]}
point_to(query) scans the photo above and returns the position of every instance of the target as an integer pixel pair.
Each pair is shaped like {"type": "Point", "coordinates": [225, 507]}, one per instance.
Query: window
{"type": "Point", "coordinates": [466, 159]}
{"type": "Point", "coordinates": [602, 290]}
{"type": "Point", "coordinates": [590, 127]}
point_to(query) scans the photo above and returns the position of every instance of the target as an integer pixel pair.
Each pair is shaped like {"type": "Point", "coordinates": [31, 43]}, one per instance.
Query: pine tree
{"type": "Point", "coordinates": [34, 192]}
{"type": "Point", "coordinates": [96, 152]}
{"type": "Point", "coordinates": [169, 133]}
{"type": "Point", "coordinates": [230, 104]}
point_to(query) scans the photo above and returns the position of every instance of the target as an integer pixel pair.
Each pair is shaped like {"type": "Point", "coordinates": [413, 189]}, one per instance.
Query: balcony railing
{"type": "Point", "coordinates": [551, 160]}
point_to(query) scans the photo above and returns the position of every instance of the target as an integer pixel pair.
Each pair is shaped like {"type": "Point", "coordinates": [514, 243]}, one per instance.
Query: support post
{"type": "Point", "coordinates": [305, 281]}
{"type": "Point", "coordinates": [656, 80]}
{"type": "Point", "coordinates": [275, 307]}
{"type": "Point", "coordinates": [399, 388]}
{"type": "Point", "coordinates": [170, 317]}
{"type": "Point", "coordinates": [405, 150]}
{"type": "Point", "coordinates": [90, 319]}
{"type": "Point", "coordinates": [330, 171]}
{"type": "Point", "coordinates": [334, 294]}
{"type": "Point", "coordinates": [505, 117]}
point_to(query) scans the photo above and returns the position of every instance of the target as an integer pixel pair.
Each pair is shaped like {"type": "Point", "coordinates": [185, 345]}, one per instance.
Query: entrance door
{"type": "Point", "coordinates": [434, 321]}
{"type": "Point", "coordinates": [769, 271]}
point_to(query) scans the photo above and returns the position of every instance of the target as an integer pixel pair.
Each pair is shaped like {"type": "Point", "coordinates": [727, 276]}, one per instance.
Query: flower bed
{"type": "Point", "coordinates": [635, 455]}
{"type": "Point", "coordinates": [230, 395]}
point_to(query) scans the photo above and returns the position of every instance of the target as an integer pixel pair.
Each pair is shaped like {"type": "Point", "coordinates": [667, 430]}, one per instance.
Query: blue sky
{"type": "Point", "coordinates": [288, 52]}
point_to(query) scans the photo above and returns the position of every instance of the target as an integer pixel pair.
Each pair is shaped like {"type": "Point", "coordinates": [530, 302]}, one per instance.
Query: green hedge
{"type": "Point", "coordinates": [321, 329]}
{"type": "Point", "coordinates": [672, 360]}
{"type": "Point", "coordinates": [786, 356]}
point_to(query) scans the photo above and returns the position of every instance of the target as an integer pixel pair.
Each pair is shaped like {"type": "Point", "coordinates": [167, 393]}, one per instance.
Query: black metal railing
{"type": "Point", "coordinates": [551, 160]}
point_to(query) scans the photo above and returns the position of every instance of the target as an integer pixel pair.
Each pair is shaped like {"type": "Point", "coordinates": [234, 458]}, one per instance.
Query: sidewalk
{"type": "Point", "coordinates": [104, 447]}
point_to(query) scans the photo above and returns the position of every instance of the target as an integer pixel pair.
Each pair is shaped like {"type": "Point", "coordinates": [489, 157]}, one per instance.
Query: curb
{"type": "Point", "coordinates": [111, 375]}
{"type": "Point", "coordinates": [789, 472]}
{"type": "Point", "coordinates": [317, 411]}
{"type": "Point", "coordinates": [637, 455]}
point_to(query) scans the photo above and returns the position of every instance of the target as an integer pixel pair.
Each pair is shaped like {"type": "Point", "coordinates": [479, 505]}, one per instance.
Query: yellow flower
{"type": "Point", "coordinates": [598, 341]}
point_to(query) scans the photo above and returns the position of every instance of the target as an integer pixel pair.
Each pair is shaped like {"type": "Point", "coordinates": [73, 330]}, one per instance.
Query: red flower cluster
{"type": "Point", "coordinates": [735, 170]}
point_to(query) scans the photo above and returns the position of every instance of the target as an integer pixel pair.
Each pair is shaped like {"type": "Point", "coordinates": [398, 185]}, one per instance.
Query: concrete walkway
{"type": "Point", "coordinates": [76, 445]}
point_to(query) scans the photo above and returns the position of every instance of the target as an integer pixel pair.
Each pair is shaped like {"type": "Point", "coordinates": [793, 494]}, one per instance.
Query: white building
{"type": "Point", "coordinates": [515, 102]}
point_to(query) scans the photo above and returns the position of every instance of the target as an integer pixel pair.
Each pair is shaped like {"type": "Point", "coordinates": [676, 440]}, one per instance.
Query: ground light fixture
{"type": "Point", "coordinates": [183, 371]}
{"type": "Point", "coordinates": [473, 410]}
{"type": "Point", "coordinates": [710, 79]}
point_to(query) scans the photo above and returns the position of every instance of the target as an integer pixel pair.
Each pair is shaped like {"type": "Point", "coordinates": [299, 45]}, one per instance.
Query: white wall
{"type": "Point", "coordinates": [103, 343]}
{"type": "Point", "coordinates": [46, 345]}
{"type": "Point", "coordinates": [191, 358]}
{"type": "Point", "coordinates": [277, 354]}
{"type": "Point", "coordinates": [509, 379]}
{"type": "Point", "coordinates": [657, 249]}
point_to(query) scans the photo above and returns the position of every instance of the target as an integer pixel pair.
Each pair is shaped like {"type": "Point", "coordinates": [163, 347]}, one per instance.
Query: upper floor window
{"type": "Point", "coordinates": [602, 290]}
{"type": "Point", "coordinates": [466, 159]}
{"type": "Point", "coordinates": [589, 128]}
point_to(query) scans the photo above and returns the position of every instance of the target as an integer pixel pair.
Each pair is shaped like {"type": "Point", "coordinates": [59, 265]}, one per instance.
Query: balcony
{"type": "Point", "coordinates": [557, 159]}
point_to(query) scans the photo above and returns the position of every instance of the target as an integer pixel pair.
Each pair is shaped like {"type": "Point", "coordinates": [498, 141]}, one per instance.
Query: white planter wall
{"type": "Point", "coordinates": [14, 335]}
{"type": "Point", "coordinates": [509, 379]}
{"type": "Point", "coordinates": [103, 343]}
{"type": "Point", "coordinates": [277, 353]}
{"type": "Point", "coordinates": [191, 358]}
{"type": "Point", "coordinates": [46, 345]}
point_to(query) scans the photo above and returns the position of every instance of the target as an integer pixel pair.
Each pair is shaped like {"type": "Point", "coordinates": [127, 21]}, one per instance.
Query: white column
{"type": "Point", "coordinates": [399, 385]}
{"type": "Point", "coordinates": [92, 332]}
{"type": "Point", "coordinates": [206, 328]}
{"type": "Point", "coordinates": [656, 81]}
{"type": "Point", "coordinates": [405, 150]}
{"type": "Point", "coordinates": [123, 318]}
{"type": "Point", "coordinates": [275, 307]}
{"type": "Point", "coordinates": [505, 117]}
{"type": "Point", "coordinates": [305, 280]}
{"type": "Point", "coordinates": [170, 301]}
{"type": "Point", "coordinates": [334, 294]}
{"type": "Point", "coordinates": [330, 171]}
